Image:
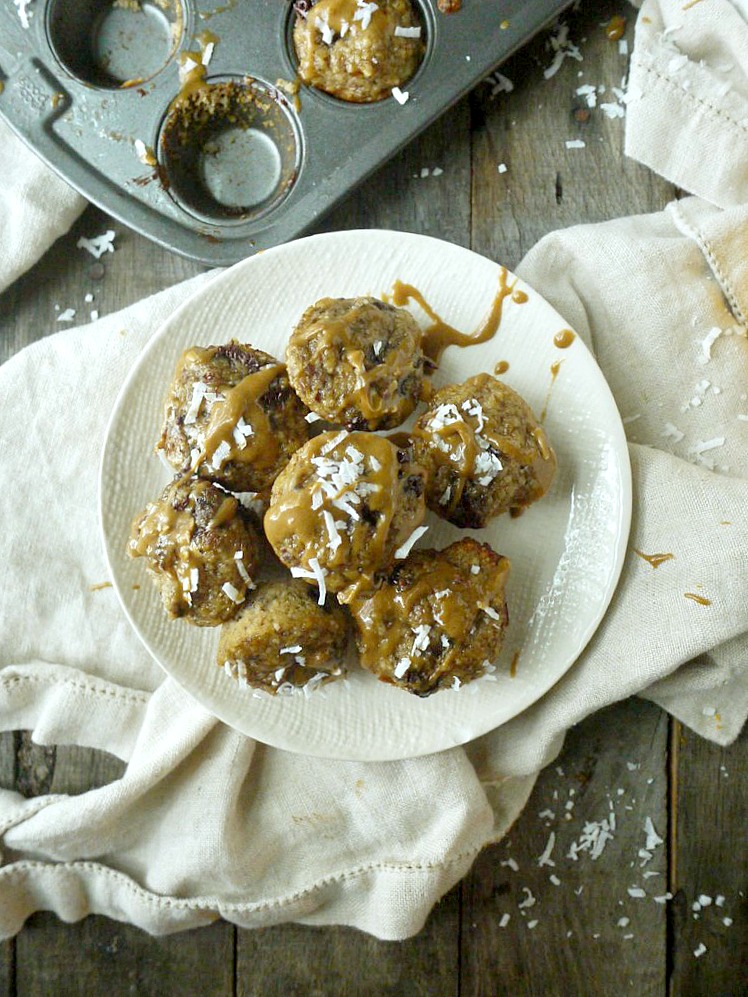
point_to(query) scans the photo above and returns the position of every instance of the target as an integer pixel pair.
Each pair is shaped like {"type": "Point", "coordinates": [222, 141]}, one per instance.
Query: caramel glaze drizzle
{"type": "Point", "coordinates": [362, 551]}
{"type": "Point", "coordinates": [460, 436]}
{"type": "Point", "coordinates": [702, 600]}
{"type": "Point", "coordinates": [555, 368]}
{"type": "Point", "coordinates": [240, 402]}
{"type": "Point", "coordinates": [439, 595]}
{"type": "Point", "coordinates": [513, 666]}
{"type": "Point", "coordinates": [654, 559]}
{"type": "Point", "coordinates": [564, 339]}
{"type": "Point", "coordinates": [161, 520]}
{"type": "Point", "coordinates": [501, 367]}
{"type": "Point", "coordinates": [376, 389]}
{"type": "Point", "coordinates": [339, 11]}
{"type": "Point", "coordinates": [439, 335]}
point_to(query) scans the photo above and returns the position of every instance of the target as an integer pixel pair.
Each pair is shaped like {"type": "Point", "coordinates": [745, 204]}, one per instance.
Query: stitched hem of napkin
{"type": "Point", "coordinates": [704, 244]}
{"type": "Point", "coordinates": [213, 905]}
{"type": "Point", "coordinates": [94, 687]}
{"type": "Point", "coordinates": [54, 702]}
{"type": "Point", "coordinates": [689, 95]}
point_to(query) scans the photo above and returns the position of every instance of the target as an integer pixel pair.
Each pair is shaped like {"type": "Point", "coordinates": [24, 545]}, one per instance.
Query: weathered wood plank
{"type": "Point", "coordinates": [710, 861]}
{"type": "Point", "coordinates": [572, 927]}
{"type": "Point", "coordinates": [543, 185]}
{"type": "Point", "coordinates": [97, 956]}
{"type": "Point", "coordinates": [297, 961]}
{"type": "Point", "coordinates": [66, 274]}
{"type": "Point", "coordinates": [7, 781]}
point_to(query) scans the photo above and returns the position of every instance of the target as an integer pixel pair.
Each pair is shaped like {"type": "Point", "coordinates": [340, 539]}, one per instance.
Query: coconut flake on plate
{"type": "Point", "coordinates": [401, 96]}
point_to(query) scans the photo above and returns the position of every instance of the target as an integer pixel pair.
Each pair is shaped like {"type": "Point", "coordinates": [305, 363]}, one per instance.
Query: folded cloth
{"type": "Point", "coordinates": [36, 207]}
{"type": "Point", "coordinates": [688, 94]}
{"type": "Point", "coordinates": [205, 822]}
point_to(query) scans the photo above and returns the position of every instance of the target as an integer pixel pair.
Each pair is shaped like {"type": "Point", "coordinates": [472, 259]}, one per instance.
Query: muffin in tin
{"type": "Point", "coordinates": [357, 362]}
{"type": "Point", "coordinates": [282, 639]}
{"type": "Point", "coordinates": [484, 452]}
{"type": "Point", "coordinates": [355, 50]}
{"type": "Point", "coordinates": [438, 619]}
{"type": "Point", "coordinates": [201, 551]}
{"type": "Point", "coordinates": [342, 509]}
{"type": "Point", "coordinates": [231, 416]}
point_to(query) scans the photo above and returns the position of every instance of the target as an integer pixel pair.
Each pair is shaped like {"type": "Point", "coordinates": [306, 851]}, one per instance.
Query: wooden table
{"type": "Point", "coordinates": [584, 935]}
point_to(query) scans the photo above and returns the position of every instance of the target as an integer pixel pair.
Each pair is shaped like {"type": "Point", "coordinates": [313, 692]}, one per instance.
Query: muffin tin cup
{"type": "Point", "coordinates": [230, 151]}
{"type": "Point", "coordinates": [236, 163]}
{"type": "Point", "coordinates": [111, 45]}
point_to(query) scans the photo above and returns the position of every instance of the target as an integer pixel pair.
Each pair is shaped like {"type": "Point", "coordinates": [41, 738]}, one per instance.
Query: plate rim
{"type": "Point", "coordinates": [615, 433]}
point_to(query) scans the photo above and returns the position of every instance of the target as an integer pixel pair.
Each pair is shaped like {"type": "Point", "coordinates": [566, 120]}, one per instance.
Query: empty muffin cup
{"type": "Point", "coordinates": [115, 44]}
{"type": "Point", "coordinates": [229, 149]}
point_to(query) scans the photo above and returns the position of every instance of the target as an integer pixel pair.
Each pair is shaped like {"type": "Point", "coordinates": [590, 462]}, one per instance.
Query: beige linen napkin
{"type": "Point", "coordinates": [206, 822]}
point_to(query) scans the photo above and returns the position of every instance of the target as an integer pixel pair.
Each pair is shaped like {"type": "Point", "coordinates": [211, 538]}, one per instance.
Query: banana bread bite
{"type": "Point", "coordinates": [232, 417]}
{"type": "Point", "coordinates": [355, 50]}
{"type": "Point", "coordinates": [483, 450]}
{"type": "Point", "coordinates": [342, 508]}
{"type": "Point", "coordinates": [357, 362]}
{"type": "Point", "coordinates": [282, 639]}
{"type": "Point", "coordinates": [438, 619]}
{"type": "Point", "coordinates": [201, 551]}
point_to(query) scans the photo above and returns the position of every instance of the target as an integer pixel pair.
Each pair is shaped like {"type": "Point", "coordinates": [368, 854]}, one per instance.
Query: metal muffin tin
{"type": "Point", "coordinates": [88, 84]}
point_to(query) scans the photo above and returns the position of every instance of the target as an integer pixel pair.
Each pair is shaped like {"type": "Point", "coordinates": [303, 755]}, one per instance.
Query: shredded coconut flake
{"type": "Point", "coordinates": [653, 838]}
{"type": "Point", "coordinates": [404, 550]}
{"type": "Point", "coordinates": [99, 245]}
{"type": "Point", "coordinates": [671, 432]}
{"type": "Point", "coordinates": [232, 592]}
{"type": "Point", "coordinates": [529, 900]}
{"type": "Point", "coordinates": [545, 858]}
{"type": "Point", "coordinates": [563, 49]}
{"type": "Point", "coordinates": [401, 668]}
{"type": "Point", "coordinates": [67, 316]}
{"type": "Point", "coordinates": [401, 96]}
{"type": "Point", "coordinates": [704, 445]}
{"type": "Point", "coordinates": [294, 649]}
{"type": "Point", "coordinates": [319, 576]}
{"type": "Point", "coordinates": [575, 143]}
{"type": "Point", "coordinates": [23, 11]}
{"type": "Point", "coordinates": [403, 32]}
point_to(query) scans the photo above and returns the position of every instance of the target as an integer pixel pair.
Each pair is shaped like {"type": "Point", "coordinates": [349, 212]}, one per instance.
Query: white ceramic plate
{"type": "Point", "coordinates": [566, 550]}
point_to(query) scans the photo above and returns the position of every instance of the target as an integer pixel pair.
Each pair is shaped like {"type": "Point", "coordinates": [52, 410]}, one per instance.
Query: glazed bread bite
{"type": "Point", "coordinates": [231, 416]}
{"type": "Point", "coordinates": [283, 640]}
{"type": "Point", "coordinates": [438, 619]}
{"type": "Point", "coordinates": [484, 452]}
{"type": "Point", "coordinates": [357, 362]}
{"type": "Point", "coordinates": [355, 50]}
{"type": "Point", "coordinates": [201, 551]}
{"type": "Point", "coordinates": [341, 509]}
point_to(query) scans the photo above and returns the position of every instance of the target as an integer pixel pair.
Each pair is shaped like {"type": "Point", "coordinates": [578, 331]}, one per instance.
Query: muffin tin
{"type": "Point", "coordinates": [90, 86]}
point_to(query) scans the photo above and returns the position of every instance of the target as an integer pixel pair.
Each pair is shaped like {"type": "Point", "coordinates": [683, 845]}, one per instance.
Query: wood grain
{"type": "Point", "coordinates": [571, 925]}
{"type": "Point", "coordinates": [710, 861]}
{"type": "Point", "coordinates": [694, 793]}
